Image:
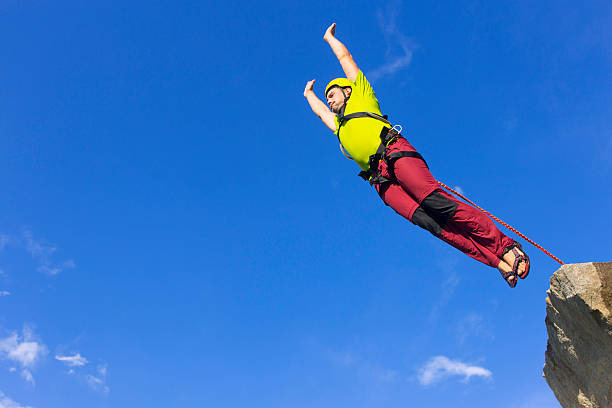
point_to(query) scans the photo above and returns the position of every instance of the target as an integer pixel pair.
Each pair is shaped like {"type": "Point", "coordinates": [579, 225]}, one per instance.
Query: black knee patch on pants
{"type": "Point", "coordinates": [423, 220]}
{"type": "Point", "coordinates": [439, 207]}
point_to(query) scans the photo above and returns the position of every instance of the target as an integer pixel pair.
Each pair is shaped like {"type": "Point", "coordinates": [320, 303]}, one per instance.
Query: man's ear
{"type": "Point", "coordinates": [348, 91]}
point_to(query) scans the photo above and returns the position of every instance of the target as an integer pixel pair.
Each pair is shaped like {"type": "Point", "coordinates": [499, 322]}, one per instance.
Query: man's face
{"type": "Point", "coordinates": [335, 98]}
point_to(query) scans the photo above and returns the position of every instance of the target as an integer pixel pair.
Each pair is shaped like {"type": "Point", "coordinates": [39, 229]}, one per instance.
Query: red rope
{"type": "Point", "coordinates": [503, 223]}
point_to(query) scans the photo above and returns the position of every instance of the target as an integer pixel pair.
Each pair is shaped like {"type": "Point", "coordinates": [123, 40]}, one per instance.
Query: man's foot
{"type": "Point", "coordinates": [514, 255]}
{"type": "Point", "coordinates": [507, 273]}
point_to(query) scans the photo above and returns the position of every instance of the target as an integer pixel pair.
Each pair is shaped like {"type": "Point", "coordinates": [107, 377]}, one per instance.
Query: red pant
{"type": "Point", "coordinates": [416, 195]}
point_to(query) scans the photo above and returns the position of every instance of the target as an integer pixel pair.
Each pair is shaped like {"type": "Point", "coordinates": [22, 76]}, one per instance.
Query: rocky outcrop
{"type": "Point", "coordinates": [579, 323]}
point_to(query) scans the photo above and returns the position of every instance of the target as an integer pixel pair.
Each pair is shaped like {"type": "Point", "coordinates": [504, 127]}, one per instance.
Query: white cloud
{"type": "Point", "coordinates": [72, 361]}
{"type": "Point", "coordinates": [6, 402]}
{"type": "Point", "coordinates": [97, 384]}
{"type": "Point", "coordinates": [399, 47]}
{"type": "Point", "coordinates": [440, 367]}
{"type": "Point", "coordinates": [24, 350]}
{"type": "Point", "coordinates": [4, 293]}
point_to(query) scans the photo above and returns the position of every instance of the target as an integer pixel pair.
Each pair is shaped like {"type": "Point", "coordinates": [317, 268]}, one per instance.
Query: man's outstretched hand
{"type": "Point", "coordinates": [330, 32]}
{"type": "Point", "coordinates": [309, 86]}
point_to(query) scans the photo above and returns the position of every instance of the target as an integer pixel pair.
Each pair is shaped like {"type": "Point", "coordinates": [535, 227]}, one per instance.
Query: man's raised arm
{"type": "Point", "coordinates": [318, 107]}
{"type": "Point", "coordinates": [342, 53]}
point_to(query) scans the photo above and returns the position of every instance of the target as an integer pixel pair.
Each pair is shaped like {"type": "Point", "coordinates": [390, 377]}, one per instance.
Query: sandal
{"type": "Point", "coordinates": [518, 258]}
{"type": "Point", "coordinates": [506, 275]}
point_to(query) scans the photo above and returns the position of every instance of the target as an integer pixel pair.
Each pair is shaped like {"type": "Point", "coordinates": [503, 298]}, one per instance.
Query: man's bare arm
{"type": "Point", "coordinates": [318, 107]}
{"type": "Point", "coordinates": [342, 53]}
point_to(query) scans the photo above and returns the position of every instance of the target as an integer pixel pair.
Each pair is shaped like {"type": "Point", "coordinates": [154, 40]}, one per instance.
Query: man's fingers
{"type": "Point", "coordinates": [331, 30]}
{"type": "Point", "coordinates": [309, 85]}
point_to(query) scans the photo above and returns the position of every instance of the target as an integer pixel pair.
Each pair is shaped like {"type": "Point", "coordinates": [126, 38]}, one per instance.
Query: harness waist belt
{"type": "Point", "coordinates": [372, 174]}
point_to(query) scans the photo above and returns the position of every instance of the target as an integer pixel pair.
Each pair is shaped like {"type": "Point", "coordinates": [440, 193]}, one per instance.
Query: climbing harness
{"type": "Point", "coordinates": [387, 136]}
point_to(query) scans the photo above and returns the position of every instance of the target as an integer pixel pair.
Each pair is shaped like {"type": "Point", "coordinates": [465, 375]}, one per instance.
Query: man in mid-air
{"type": "Point", "coordinates": [399, 173]}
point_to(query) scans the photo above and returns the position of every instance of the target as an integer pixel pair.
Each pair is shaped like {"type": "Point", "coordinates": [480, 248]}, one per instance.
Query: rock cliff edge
{"type": "Point", "coordinates": [579, 323]}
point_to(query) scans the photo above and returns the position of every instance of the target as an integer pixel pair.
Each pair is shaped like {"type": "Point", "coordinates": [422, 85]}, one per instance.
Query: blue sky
{"type": "Point", "coordinates": [178, 229]}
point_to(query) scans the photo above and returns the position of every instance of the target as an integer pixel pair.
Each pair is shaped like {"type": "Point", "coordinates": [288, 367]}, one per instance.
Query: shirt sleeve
{"type": "Point", "coordinates": [362, 85]}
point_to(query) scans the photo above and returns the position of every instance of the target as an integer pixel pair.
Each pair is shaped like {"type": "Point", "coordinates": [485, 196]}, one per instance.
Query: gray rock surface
{"type": "Point", "coordinates": [579, 323]}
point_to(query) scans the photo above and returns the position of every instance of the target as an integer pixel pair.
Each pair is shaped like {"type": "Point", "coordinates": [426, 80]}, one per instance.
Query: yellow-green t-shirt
{"type": "Point", "coordinates": [361, 136]}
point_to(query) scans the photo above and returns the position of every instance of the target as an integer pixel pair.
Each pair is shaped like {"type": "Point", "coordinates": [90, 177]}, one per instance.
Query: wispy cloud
{"type": "Point", "coordinates": [441, 367]}
{"type": "Point", "coordinates": [75, 360]}
{"type": "Point", "coordinates": [385, 375]}
{"type": "Point", "coordinates": [367, 370]}
{"type": "Point", "coordinates": [472, 324]}
{"type": "Point", "coordinates": [6, 402]}
{"type": "Point", "coordinates": [4, 293]}
{"type": "Point", "coordinates": [446, 293]}
{"type": "Point", "coordinates": [399, 47]}
{"type": "Point", "coordinates": [37, 249]}
{"type": "Point", "coordinates": [103, 369]}
{"type": "Point", "coordinates": [27, 375]}
{"type": "Point", "coordinates": [94, 375]}
{"type": "Point", "coordinates": [54, 270]}
{"type": "Point", "coordinates": [342, 358]}
{"type": "Point", "coordinates": [98, 384]}
{"type": "Point", "coordinates": [42, 253]}
{"type": "Point", "coordinates": [24, 350]}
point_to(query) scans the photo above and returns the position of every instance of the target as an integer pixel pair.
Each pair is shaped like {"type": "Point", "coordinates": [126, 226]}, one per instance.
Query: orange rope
{"type": "Point", "coordinates": [502, 223]}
